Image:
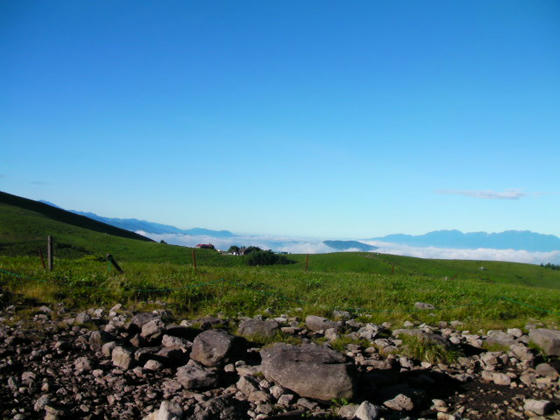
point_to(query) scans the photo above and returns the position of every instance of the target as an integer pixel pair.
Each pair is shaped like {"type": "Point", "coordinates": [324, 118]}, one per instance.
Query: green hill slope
{"type": "Point", "coordinates": [25, 224]}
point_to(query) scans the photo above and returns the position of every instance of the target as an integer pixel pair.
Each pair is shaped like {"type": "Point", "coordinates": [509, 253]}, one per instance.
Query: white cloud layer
{"type": "Point", "coordinates": [488, 195]}
{"type": "Point", "coordinates": [316, 246]}
{"type": "Point", "coordinates": [487, 254]}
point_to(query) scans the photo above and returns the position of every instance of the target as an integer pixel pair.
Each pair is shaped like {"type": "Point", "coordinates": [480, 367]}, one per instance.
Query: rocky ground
{"type": "Point", "coordinates": [110, 363]}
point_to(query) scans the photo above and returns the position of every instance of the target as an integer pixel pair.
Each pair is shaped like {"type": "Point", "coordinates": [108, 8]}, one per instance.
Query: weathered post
{"type": "Point", "coordinates": [115, 264]}
{"type": "Point", "coordinates": [306, 262]}
{"type": "Point", "coordinates": [50, 254]}
{"type": "Point", "coordinates": [42, 259]}
{"type": "Point", "coordinates": [194, 259]}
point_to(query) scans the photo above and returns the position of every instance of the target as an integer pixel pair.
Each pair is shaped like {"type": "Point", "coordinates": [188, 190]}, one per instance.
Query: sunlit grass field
{"type": "Point", "coordinates": [243, 290]}
{"type": "Point", "coordinates": [374, 287]}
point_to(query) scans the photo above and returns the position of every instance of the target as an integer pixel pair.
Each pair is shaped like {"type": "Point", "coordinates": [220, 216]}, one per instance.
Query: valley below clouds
{"type": "Point", "coordinates": [317, 246]}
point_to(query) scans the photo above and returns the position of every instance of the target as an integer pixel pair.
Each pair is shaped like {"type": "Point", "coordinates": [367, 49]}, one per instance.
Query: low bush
{"type": "Point", "coordinates": [267, 258]}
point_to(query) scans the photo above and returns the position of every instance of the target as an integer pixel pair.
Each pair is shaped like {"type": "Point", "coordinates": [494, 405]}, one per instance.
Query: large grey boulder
{"type": "Point", "coordinates": [548, 340]}
{"type": "Point", "coordinates": [318, 323]}
{"type": "Point", "coordinates": [195, 376]}
{"type": "Point", "coordinates": [211, 347]}
{"type": "Point", "coordinates": [258, 328]}
{"type": "Point", "coordinates": [310, 370]}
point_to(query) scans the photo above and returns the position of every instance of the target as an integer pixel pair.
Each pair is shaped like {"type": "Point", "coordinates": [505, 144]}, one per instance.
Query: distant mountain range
{"type": "Point", "coordinates": [449, 239]}
{"type": "Point", "coordinates": [136, 225]}
{"type": "Point", "coordinates": [344, 245]}
{"type": "Point", "coordinates": [510, 239]}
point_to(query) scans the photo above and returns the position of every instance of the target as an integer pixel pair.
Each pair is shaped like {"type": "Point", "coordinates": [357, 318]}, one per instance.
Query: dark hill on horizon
{"type": "Point", "coordinates": [56, 213]}
{"type": "Point", "coordinates": [136, 225]}
{"type": "Point", "coordinates": [510, 239]}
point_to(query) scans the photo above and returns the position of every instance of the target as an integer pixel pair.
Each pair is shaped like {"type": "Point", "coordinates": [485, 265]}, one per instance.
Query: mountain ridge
{"type": "Point", "coordinates": [453, 238]}
{"type": "Point", "coordinates": [135, 225]}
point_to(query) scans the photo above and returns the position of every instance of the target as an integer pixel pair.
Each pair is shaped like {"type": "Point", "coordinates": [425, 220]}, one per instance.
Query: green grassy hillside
{"type": "Point", "coordinates": [25, 224]}
{"type": "Point", "coordinates": [377, 286]}
{"type": "Point", "coordinates": [63, 216]}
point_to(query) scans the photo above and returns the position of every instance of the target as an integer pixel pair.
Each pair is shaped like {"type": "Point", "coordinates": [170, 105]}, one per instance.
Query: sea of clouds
{"type": "Point", "coordinates": [316, 246]}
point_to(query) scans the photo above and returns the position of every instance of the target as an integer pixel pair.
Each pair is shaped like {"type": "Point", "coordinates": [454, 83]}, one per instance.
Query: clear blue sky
{"type": "Point", "coordinates": [314, 118]}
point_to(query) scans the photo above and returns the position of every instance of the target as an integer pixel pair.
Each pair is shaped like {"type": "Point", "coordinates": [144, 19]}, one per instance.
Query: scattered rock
{"type": "Point", "coordinates": [122, 357]}
{"type": "Point", "coordinates": [196, 376]}
{"type": "Point", "coordinates": [400, 403]}
{"type": "Point", "coordinates": [424, 306]}
{"type": "Point", "coordinates": [318, 323]}
{"type": "Point", "coordinates": [211, 347]}
{"type": "Point", "coordinates": [311, 370]}
{"type": "Point", "coordinates": [347, 411]}
{"type": "Point", "coordinates": [257, 328]}
{"type": "Point", "coordinates": [366, 411]}
{"type": "Point", "coordinates": [538, 407]}
{"type": "Point", "coordinates": [544, 369]}
{"type": "Point", "coordinates": [152, 330]}
{"type": "Point", "coordinates": [497, 337]}
{"type": "Point", "coordinates": [167, 411]}
{"type": "Point", "coordinates": [548, 340]}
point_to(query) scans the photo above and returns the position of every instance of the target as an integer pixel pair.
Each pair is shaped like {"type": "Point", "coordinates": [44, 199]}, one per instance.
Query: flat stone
{"type": "Point", "coordinates": [347, 411]}
{"type": "Point", "coordinates": [424, 306]}
{"type": "Point", "coordinates": [548, 340]}
{"type": "Point", "coordinates": [310, 370]}
{"type": "Point", "coordinates": [152, 330]}
{"type": "Point", "coordinates": [501, 379]}
{"type": "Point", "coordinates": [247, 385]}
{"type": "Point", "coordinates": [211, 347]}
{"type": "Point", "coordinates": [138, 320]}
{"type": "Point", "coordinates": [546, 370]}
{"type": "Point", "coordinates": [538, 407]}
{"type": "Point", "coordinates": [400, 403]}
{"type": "Point", "coordinates": [318, 323]}
{"type": "Point", "coordinates": [172, 341]}
{"type": "Point", "coordinates": [367, 411]}
{"type": "Point", "coordinates": [522, 352]}
{"type": "Point", "coordinates": [196, 376]}
{"type": "Point", "coordinates": [168, 410]}
{"type": "Point", "coordinates": [258, 328]}
{"type": "Point", "coordinates": [153, 365]}
{"type": "Point", "coordinates": [497, 337]}
{"type": "Point", "coordinates": [122, 357]}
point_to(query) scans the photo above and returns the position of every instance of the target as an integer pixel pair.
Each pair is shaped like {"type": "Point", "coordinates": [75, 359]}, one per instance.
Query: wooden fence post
{"type": "Point", "coordinates": [50, 254]}
{"type": "Point", "coordinates": [42, 259]}
{"type": "Point", "coordinates": [115, 264]}
{"type": "Point", "coordinates": [194, 259]}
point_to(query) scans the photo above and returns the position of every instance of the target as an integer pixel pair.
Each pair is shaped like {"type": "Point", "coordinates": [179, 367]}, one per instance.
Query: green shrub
{"type": "Point", "coordinates": [427, 351]}
{"type": "Point", "coordinates": [266, 258]}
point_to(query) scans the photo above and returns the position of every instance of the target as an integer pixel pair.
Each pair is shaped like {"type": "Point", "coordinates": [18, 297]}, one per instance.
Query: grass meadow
{"type": "Point", "coordinates": [375, 287]}
{"type": "Point", "coordinates": [242, 290]}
